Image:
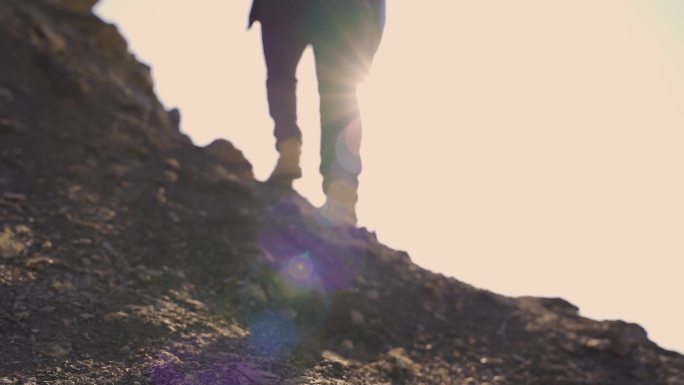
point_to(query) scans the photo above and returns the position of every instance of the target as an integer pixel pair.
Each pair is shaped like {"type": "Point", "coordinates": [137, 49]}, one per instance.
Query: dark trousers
{"type": "Point", "coordinates": [345, 35]}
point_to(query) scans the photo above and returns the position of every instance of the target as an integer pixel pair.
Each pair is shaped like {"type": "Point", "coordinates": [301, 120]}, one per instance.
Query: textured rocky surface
{"type": "Point", "coordinates": [130, 256]}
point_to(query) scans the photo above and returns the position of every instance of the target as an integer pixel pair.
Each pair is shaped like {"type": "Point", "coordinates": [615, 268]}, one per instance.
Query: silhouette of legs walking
{"type": "Point", "coordinates": [284, 44]}
{"type": "Point", "coordinates": [345, 35]}
{"type": "Point", "coordinates": [347, 38]}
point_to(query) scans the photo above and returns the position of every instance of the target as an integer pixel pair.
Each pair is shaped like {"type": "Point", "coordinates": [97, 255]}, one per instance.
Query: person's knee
{"type": "Point", "coordinates": [339, 85]}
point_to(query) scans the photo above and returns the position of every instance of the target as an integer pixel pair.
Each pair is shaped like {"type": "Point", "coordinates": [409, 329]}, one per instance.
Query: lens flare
{"type": "Point", "coordinates": [300, 272]}
{"type": "Point", "coordinates": [347, 147]}
{"type": "Point", "coordinates": [299, 268]}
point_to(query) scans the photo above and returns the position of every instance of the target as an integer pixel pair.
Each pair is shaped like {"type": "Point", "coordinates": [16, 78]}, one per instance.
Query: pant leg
{"type": "Point", "coordinates": [284, 42]}
{"type": "Point", "coordinates": [346, 37]}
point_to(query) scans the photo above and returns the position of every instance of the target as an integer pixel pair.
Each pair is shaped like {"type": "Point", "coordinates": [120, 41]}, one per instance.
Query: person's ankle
{"type": "Point", "coordinates": [287, 168]}
{"type": "Point", "coordinates": [338, 213]}
{"type": "Point", "coordinates": [340, 204]}
{"type": "Point", "coordinates": [341, 191]}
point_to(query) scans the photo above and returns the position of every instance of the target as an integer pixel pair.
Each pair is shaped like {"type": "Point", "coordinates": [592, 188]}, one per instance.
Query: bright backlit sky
{"type": "Point", "coordinates": [529, 147]}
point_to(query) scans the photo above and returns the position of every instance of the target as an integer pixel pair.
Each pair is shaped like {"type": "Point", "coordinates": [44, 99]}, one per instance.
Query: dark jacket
{"type": "Point", "coordinates": [377, 7]}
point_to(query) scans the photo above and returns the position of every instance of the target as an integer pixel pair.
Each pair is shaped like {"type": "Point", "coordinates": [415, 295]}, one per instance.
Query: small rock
{"type": "Point", "coordinates": [10, 196]}
{"type": "Point", "coordinates": [116, 316]}
{"type": "Point", "coordinates": [170, 176]}
{"type": "Point", "coordinates": [596, 343]}
{"type": "Point", "coordinates": [169, 325]}
{"type": "Point", "coordinates": [82, 241]}
{"type": "Point", "coordinates": [256, 376]}
{"type": "Point", "coordinates": [172, 164]}
{"type": "Point", "coordinates": [106, 214]}
{"type": "Point", "coordinates": [336, 358]}
{"type": "Point", "coordinates": [62, 286]}
{"type": "Point", "coordinates": [10, 245]}
{"type": "Point", "coordinates": [175, 218]}
{"type": "Point", "coordinates": [9, 125]}
{"type": "Point", "coordinates": [195, 304]}
{"type": "Point", "coordinates": [220, 174]}
{"type": "Point", "coordinates": [22, 229]}
{"type": "Point", "coordinates": [257, 293]}
{"type": "Point", "coordinates": [22, 315]}
{"type": "Point", "coordinates": [118, 170]}
{"type": "Point", "coordinates": [347, 345]}
{"type": "Point", "coordinates": [357, 317]}
{"type": "Point", "coordinates": [86, 316]}
{"type": "Point", "coordinates": [491, 361]}
{"type": "Point", "coordinates": [402, 363]}
{"type": "Point", "coordinates": [38, 260]}
{"type": "Point", "coordinates": [44, 35]}
{"type": "Point", "coordinates": [57, 351]}
{"type": "Point", "coordinates": [230, 157]}
{"type": "Point", "coordinates": [631, 334]}
{"type": "Point", "coordinates": [6, 380]}
{"type": "Point", "coordinates": [175, 118]}
{"type": "Point", "coordinates": [161, 195]}
{"type": "Point", "coordinates": [373, 294]}
{"type": "Point", "coordinates": [6, 95]}
{"type": "Point", "coordinates": [107, 246]}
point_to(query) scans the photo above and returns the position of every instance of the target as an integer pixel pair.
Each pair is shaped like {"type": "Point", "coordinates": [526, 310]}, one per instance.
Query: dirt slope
{"type": "Point", "coordinates": [130, 256]}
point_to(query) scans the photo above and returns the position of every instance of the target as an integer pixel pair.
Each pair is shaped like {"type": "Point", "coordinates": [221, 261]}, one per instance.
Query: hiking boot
{"type": "Point", "coordinates": [339, 214]}
{"type": "Point", "coordinates": [340, 205]}
{"type": "Point", "coordinates": [287, 169]}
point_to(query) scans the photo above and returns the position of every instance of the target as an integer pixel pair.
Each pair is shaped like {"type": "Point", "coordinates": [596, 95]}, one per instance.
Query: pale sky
{"type": "Point", "coordinates": [528, 147]}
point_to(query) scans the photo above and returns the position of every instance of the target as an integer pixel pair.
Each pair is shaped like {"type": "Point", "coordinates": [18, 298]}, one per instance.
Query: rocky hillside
{"type": "Point", "coordinates": [130, 256]}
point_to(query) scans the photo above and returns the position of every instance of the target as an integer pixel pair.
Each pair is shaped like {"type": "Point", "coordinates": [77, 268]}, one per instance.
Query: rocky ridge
{"type": "Point", "coordinates": [130, 256]}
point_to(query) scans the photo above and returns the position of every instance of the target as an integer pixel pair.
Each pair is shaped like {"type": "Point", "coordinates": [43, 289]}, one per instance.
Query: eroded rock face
{"type": "Point", "coordinates": [129, 255]}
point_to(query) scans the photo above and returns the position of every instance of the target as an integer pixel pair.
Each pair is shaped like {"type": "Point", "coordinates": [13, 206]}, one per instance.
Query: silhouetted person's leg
{"type": "Point", "coordinates": [347, 39]}
{"type": "Point", "coordinates": [284, 41]}
{"type": "Point", "coordinates": [340, 142]}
